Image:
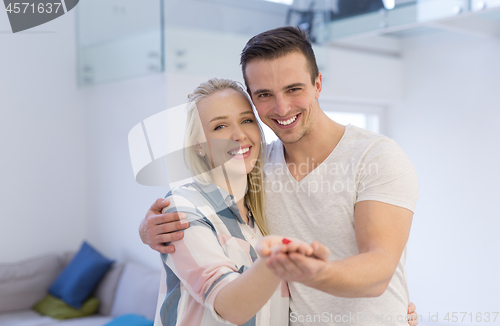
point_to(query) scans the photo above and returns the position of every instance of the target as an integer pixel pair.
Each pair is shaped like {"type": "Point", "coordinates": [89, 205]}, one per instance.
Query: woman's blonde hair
{"type": "Point", "coordinates": [200, 166]}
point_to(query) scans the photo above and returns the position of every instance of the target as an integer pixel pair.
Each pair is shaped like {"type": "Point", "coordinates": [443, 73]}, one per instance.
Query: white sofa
{"type": "Point", "coordinates": [127, 288]}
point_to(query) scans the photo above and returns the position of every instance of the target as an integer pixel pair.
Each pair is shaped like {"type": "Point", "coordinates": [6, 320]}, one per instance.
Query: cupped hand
{"type": "Point", "coordinates": [274, 244]}
{"type": "Point", "coordinates": [295, 267]}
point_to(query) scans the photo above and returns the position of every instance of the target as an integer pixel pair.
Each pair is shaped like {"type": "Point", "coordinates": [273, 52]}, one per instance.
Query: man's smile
{"type": "Point", "coordinates": [287, 123]}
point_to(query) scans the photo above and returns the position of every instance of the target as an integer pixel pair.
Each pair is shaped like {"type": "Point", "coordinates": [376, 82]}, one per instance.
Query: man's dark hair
{"type": "Point", "coordinates": [277, 43]}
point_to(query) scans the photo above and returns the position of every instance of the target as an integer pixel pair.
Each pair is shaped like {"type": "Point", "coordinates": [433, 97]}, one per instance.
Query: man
{"type": "Point", "coordinates": [351, 190]}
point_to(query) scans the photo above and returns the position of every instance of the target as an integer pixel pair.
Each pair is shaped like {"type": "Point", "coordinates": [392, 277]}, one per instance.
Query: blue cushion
{"type": "Point", "coordinates": [130, 320]}
{"type": "Point", "coordinates": [78, 280]}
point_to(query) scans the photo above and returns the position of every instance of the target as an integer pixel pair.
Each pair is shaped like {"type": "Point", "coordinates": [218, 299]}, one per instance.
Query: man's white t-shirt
{"type": "Point", "coordinates": [363, 166]}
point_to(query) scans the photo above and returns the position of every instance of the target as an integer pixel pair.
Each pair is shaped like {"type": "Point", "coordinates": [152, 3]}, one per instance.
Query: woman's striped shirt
{"type": "Point", "coordinates": [216, 249]}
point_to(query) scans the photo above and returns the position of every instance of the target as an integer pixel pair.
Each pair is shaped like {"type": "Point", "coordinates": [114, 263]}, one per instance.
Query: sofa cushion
{"type": "Point", "coordinates": [24, 283]}
{"type": "Point", "coordinates": [137, 292]}
{"type": "Point", "coordinates": [106, 289]}
{"type": "Point", "coordinates": [130, 320]}
{"type": "Point", "coordinates": [80, 277]}
{"type": "Point", "coordinates": [58, 309]}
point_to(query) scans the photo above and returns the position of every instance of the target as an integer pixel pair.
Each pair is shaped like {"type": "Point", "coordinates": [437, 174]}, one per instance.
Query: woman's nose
{"type": "Point", "coordinates": [239, 134]}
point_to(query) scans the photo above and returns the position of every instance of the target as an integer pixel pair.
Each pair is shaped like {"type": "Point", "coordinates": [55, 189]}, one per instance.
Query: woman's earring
{"type": "Point", "coordinates": [199, 150]}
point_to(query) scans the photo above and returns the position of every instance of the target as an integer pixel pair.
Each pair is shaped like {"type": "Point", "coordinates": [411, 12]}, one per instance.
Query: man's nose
{"type": "Point", "coordinates": [281, 106]}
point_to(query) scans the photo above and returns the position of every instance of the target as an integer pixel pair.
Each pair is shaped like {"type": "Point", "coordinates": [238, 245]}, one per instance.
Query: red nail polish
{"type": "Point", "coordinates": [286, 241]}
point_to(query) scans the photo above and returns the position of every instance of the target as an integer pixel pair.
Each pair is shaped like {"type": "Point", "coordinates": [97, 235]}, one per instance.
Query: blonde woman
{"type": "Point", "coordinates": [215, 275]}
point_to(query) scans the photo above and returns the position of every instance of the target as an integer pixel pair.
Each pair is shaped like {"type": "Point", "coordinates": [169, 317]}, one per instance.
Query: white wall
{"type": "Point", "coordinates": [448, 125]}
{"type": "Point", "coordinates": [115, 202]}
{"type": "Point", "coordinates": [42, 193]}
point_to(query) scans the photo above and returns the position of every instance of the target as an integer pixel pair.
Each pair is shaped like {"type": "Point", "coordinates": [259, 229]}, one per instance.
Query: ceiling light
{"type": "Point", "coordinates": [389, 4]}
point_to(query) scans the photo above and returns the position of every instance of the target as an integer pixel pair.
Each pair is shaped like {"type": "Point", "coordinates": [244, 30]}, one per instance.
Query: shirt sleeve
{"type": "Point", "coordinates": [387, 175]}
{"type": "Point", "coordinates": [199, 261]}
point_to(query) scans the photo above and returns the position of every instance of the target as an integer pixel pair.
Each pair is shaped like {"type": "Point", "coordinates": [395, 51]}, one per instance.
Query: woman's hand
{"type": "Point", "coordinates": [274, 244]}
{"type": "Point", "coordinates": [296, 267]}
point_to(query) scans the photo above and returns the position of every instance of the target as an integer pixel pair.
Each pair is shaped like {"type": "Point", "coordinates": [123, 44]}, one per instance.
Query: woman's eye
{"type": "Point", "coordinates": [219, 127]}
{"type": "Point", "coordinates": [248, 121]}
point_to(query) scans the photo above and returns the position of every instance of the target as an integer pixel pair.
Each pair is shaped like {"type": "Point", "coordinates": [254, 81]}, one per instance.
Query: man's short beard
{"type": "Point", "coordinates": [292, 142]}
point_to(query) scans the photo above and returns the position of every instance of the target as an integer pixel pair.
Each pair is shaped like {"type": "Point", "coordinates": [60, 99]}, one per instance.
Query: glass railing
{"type": "Point", "coordinates": [404, 16]}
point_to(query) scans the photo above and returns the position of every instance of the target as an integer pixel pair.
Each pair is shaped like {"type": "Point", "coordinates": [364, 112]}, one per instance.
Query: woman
{"type": "Point", "coordinates": [224, 205]}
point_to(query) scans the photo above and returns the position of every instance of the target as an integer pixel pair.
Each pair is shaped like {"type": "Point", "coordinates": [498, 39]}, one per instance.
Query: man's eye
{"type": "Point", "coordinates": [293, 89]}
{"type": "Point", "coordinates": [264, 95]}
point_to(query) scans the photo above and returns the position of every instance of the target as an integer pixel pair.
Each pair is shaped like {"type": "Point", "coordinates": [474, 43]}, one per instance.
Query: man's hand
{"type": "Point", "coordinates": [296, 267]}
{"type": "Point", "coordinates": [412, 315]}
{"type": "Point", "coordinates": [381, 233]}
{"type": "Point", "coordinates": [157, 228]}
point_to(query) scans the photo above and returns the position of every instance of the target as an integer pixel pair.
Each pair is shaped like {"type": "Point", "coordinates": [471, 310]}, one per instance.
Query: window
{"type": "Point", "coordinates": [285, 2]}
{"type": "Point", "coordinates": [363, 120]}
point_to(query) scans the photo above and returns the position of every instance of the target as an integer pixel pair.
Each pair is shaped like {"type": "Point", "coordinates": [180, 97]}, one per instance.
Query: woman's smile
{"type": "Point", "coordinates": [240, 152]}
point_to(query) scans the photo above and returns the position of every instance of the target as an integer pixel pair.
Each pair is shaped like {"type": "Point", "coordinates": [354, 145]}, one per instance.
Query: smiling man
{"type": "Point", "coordinates": [348, 191]}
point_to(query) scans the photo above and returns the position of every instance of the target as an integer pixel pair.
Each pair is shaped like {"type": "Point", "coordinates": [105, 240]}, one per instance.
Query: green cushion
{"type": "Point", "coordinates": [58, 309]}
